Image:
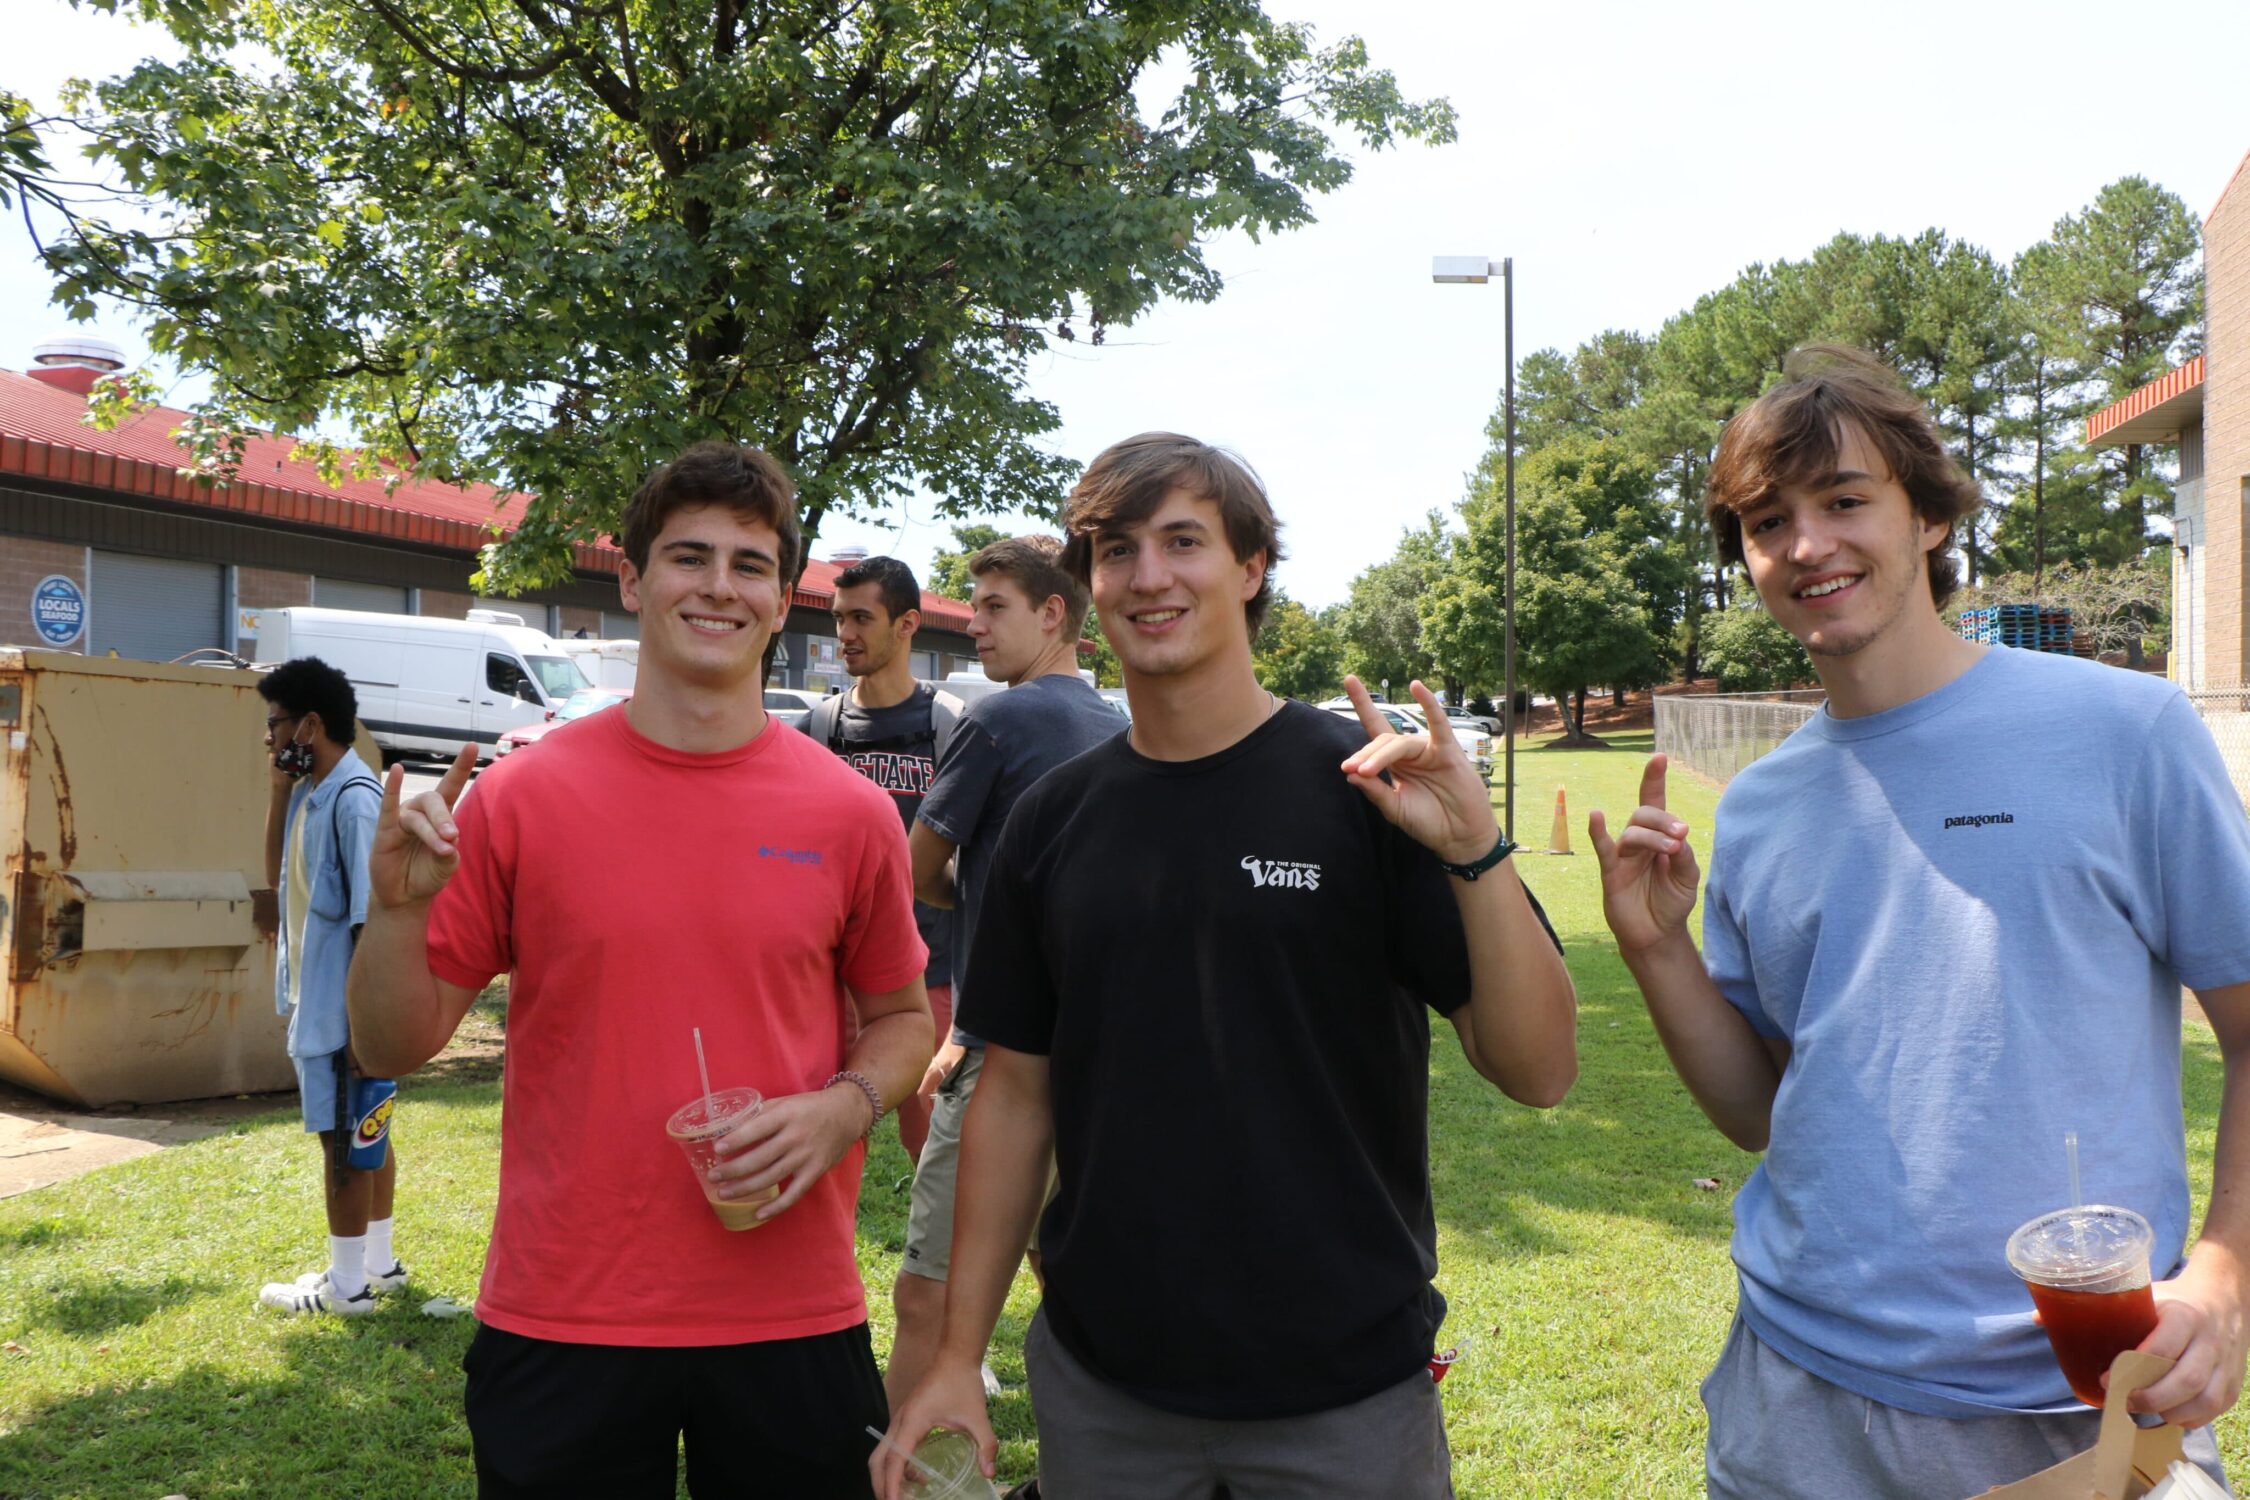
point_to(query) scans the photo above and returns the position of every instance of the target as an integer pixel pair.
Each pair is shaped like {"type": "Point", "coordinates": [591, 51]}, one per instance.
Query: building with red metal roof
{"type": "Point", "coordinates": [102, 532]}
{"type": "Point", "coordinates": [2204, 408]}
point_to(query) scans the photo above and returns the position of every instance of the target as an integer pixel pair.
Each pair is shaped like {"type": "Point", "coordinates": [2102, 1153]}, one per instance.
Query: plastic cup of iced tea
{"type": "Point", "coordinates": [2088, 1273]}
{"type": "Point", "coordinates": [949, 1469]}
{"type": "Point", "coordinates": [696, 1126]}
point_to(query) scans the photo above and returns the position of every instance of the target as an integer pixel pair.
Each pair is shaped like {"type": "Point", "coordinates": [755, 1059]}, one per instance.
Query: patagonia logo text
{"type": "Point", "coordinates": [794, 856]}
{"type": "Point", "coordinates": [1979, 820]}
{"type": "Point", "coordinates": [1288, 872]}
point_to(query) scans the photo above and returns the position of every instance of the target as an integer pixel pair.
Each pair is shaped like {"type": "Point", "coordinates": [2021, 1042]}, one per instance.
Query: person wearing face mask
{"type": "Point", "coordinates": [320, 822]}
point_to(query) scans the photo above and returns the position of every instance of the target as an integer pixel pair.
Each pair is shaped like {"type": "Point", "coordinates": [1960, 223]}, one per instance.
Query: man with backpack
{"type": "Point", "coordinates": [319, 825]}
{"type": "Point", "coordinates": [891, 729]}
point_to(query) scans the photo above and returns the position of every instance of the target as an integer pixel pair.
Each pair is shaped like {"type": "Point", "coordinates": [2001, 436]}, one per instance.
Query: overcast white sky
{"type": "Point", "coordinates": [1629, 156]}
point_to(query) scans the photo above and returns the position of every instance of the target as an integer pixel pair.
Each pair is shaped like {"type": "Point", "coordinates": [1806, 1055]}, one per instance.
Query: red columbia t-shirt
{"type": "Point", "coordinates": [635, 892]}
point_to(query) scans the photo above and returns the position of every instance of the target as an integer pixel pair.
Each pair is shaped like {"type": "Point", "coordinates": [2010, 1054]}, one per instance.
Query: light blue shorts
{"type": "Point", "coordinates": [317, 1088]}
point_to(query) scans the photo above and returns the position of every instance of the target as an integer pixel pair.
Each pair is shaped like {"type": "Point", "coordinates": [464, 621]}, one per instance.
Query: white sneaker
{"type": "Point", "coordinates": [294, 1297]}
{"type": "Point", "coordinates": [388, 1281]}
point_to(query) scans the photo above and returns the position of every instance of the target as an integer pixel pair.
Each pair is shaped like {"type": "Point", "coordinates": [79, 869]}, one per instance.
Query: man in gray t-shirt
{"type": "Point", "coordinates": [1027, 613]}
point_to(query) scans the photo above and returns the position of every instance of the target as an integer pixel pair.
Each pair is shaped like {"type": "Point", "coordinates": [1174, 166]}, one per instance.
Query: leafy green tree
{"type": "Point", "coordinates": [2111, 299]}
{"type": "Point", "coordinates": [1379, 621]}
{"type": "Point", "coordinates": [24, 173]}
{"type": "Point", "coordinates": [1297, 653]}
{"type": "Point", "coordinates": [543, 244]}
{"type": "Point", "coordinates": [1749, 651]}
{"type": "Point", "coordinates": [949, 569]}
{"type": "Point", "coordinates": [1596, 588]}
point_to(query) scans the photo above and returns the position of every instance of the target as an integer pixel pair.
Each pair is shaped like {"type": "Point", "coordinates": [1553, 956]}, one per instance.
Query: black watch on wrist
{"type": "Point", "coordinates": [1501, 849]}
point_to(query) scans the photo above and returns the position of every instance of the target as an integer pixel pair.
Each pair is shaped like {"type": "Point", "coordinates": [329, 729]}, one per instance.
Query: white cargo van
{"type": "Point", "coordinates": [609, 664]}
{"type": "Point", "coordinates": [428, 686]}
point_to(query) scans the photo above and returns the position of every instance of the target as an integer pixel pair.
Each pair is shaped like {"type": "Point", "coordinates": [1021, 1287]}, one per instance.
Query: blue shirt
{"type": "Point", "coordinates": [1970, 916]}
{"type": "Point", "coordinates": [1001, 748]}
{"type": "Point", "coordinates": [339, 829]}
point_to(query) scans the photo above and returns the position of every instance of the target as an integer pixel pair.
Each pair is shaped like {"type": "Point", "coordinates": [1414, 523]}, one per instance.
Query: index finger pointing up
{"type": "Point", "coordinates": [1364, 706]}
{"type": "Point", "coordinates": [1652, 781]}
{"type": "Point", "coordinates": [457, 775]}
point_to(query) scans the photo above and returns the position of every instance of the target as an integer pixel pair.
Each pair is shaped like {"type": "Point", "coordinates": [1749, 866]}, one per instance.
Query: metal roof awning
{"type": "Point", "coordinates": [2153, 414]}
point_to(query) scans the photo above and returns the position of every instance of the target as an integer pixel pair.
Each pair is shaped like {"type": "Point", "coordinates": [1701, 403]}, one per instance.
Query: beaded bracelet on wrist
{"type": "Point", "coordinates": [867, 1087]}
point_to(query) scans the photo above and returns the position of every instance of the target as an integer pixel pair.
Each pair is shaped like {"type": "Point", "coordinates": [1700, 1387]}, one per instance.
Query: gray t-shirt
{"type": "Point", "coordinates": [896, 748]}
{"type": "Point", "coordinates": [1000, 749]}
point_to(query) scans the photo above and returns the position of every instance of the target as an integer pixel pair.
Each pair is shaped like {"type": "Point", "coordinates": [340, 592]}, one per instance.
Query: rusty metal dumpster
{"type": "Point", "coordinates": [136, 932]}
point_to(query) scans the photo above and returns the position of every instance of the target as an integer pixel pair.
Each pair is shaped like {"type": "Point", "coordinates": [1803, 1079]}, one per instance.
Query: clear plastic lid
{"type": "Point", "coordinates": [2085, 1247]}
{"type": "Point", "coordinates": [716, 1115]}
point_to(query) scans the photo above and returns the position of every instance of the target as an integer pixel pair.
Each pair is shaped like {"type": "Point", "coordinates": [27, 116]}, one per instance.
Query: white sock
{"type": "Point", "coordinates": [347, 1264]}
{"type": "Point", "coordinates": [379, 1255]}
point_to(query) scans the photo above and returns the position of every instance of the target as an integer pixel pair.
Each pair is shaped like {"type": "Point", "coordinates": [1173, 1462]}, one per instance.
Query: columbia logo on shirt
{"type": "Point", "coordinates": [1287, 872]}
{"type": "Point", "coordinates": [794, 856]}
{"type": "Point", "coordinates": [1979, 820]}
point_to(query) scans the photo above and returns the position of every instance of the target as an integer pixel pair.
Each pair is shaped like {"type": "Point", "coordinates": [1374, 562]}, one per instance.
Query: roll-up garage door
{"type": "Point", "coordinates": [343, 593]}
{"type": "Point", "coordinates": [156, 608]}
{"type": "Point", "coordinates": [620, 626]}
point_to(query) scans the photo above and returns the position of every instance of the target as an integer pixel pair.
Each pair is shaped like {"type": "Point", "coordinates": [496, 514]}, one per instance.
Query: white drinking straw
{"type": "Point", "coordinates": [705, 1074]}
{"type": "Point", "coordinates": [932, 1475]}
{"type": "Point", "coordinates": [2070, 1150]}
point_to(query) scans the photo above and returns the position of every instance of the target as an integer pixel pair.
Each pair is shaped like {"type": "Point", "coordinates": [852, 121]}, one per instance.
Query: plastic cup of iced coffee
{"type": "Point", "coordinates": [696, 1127]}
{"type": "Point", "coordinates": [2087, 1269]}
{"type": "Point", "coordinates": [949, 1471]}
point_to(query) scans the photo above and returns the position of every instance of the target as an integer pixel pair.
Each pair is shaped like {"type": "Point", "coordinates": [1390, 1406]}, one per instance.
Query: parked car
{"type": "Point", "coordinates": [609, 664]}
{"type": "Point", "coordinates": [792, 706]}
{"type": "Point", "coordinates": [583, 702]}
{"type": "Point", "coordinates": [1115, 698]}
{"type": "Point", "coordinates": [426, 685]}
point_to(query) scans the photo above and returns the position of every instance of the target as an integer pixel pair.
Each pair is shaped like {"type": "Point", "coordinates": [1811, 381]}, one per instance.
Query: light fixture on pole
{"type": "Point", "coordinates": [1475, 270]}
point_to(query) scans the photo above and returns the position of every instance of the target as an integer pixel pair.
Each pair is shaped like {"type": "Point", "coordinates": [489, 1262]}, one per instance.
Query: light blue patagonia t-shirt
{"type": "Point", "coordinates": [1970, 917]}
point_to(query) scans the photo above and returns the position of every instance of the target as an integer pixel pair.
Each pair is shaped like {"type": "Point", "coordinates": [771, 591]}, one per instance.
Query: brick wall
{"type": "Point", "coordinates": [575, 619]}
{"type": "Point", "coordinates": [439, 603]}
{"type": "Point", "coordinates": [2226, 436]}
{"type": "Point", "coordinates": [266, 588]}
{"type": "Point", "coordinates": [23, 562]}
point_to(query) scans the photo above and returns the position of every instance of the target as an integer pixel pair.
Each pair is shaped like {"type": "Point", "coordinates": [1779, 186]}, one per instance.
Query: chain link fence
{"type": "Point", "coordinates": [1718, 734]}
{"type": "Point", "coordinates": [2227, 712]}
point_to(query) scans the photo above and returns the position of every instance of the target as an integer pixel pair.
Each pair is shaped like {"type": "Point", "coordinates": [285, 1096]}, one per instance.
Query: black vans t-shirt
{"type": "Point", "coordinates": [1229, 963]}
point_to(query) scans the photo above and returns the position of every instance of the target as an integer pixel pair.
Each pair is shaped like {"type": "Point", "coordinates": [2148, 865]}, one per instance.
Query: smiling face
{"type": "Point", "coordinates": [1170, 591]}
{"type": "Point", "coordinates": [866, 635]}
{"type": "Point", "coordinates": [1841, 559]}
{"type": "Point", "coordinates": [709, 597]}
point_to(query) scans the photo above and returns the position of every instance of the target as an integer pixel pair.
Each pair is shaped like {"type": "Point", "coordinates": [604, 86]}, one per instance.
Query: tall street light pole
{"type": "Point", "coordinates": [1476, 270]}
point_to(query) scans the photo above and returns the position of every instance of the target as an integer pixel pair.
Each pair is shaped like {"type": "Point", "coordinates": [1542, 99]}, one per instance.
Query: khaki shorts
{"type": "Point", "coordinates": [929, 1215]}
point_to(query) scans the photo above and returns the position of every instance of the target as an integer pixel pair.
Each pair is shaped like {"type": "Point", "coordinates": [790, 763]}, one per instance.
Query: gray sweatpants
{"type": "Point", "coordinates": [1779, 1432]}
{"type": "Point", "coordinates": [1097, 1443]}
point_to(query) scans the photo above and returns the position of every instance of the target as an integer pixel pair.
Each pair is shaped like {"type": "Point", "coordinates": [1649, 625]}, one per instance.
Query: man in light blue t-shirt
{"type": "Point", "coordinates": [1947, 921]}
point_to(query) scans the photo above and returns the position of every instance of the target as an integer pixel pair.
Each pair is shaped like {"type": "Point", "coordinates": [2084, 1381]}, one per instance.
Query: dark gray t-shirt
{"type": "Point", "coordinates": [896, 748]}
{"type": "Point", "coordinates": [1003, 745]}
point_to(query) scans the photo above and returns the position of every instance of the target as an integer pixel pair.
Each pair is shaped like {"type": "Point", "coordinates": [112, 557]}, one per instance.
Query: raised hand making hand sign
{"type": "Point", "coordinates": [414, 853]}
{"type": "Point", "coordinates": [1434, 794]}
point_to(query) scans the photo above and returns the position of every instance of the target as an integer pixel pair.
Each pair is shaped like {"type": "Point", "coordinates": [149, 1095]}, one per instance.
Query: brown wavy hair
{"type": "Point", "coordinates": [1034, 564]}
{"type": "Point", "coordinates": [748, 481]}
{"type": "Point", "coordinates": [1791, 434]}
{"type": "Point", "coordinates": [1124, 486]}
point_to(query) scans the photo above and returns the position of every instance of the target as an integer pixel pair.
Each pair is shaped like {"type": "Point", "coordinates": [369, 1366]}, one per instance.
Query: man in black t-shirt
{"type": "Point", "coordinates": [890, 728]}
{"type": "Point", "coordinates": [1202, 966]}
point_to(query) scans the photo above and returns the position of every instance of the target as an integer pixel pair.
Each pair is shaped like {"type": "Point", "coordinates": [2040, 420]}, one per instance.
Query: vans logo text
{"type": "Point", "coordinates": [794, 856]}
{"type": "Point", "coordinates": [1288, 872]}
{"type": "Point", "coordinates": [1978, 820]}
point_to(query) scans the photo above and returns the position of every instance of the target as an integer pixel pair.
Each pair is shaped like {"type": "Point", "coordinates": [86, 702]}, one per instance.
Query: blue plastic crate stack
{"type": "Point", "coordinates": [2028, 627]}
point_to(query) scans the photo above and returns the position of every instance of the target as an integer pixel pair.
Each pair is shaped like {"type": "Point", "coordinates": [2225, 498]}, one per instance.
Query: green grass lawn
{"type": "Point", "coordinates": [1583, 1265]}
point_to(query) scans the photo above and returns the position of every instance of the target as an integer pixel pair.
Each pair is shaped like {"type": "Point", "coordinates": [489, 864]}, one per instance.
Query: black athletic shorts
{"type": "Point", "coordinates": [786, 1420]}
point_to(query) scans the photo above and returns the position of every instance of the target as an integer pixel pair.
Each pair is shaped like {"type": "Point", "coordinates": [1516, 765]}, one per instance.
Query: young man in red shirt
{"type": "Point", "coordinates": [678, 862]}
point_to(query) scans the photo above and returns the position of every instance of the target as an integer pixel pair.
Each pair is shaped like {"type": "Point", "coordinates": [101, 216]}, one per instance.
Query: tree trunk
{"type": "Point", "coordinates": [1617, 698]}
{"type": "Point", "coordinates": [1578, 718]}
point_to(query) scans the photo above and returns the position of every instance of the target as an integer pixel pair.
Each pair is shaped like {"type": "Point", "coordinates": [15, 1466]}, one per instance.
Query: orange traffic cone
{"type": "Point", "coordinates": [1558, 842]}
